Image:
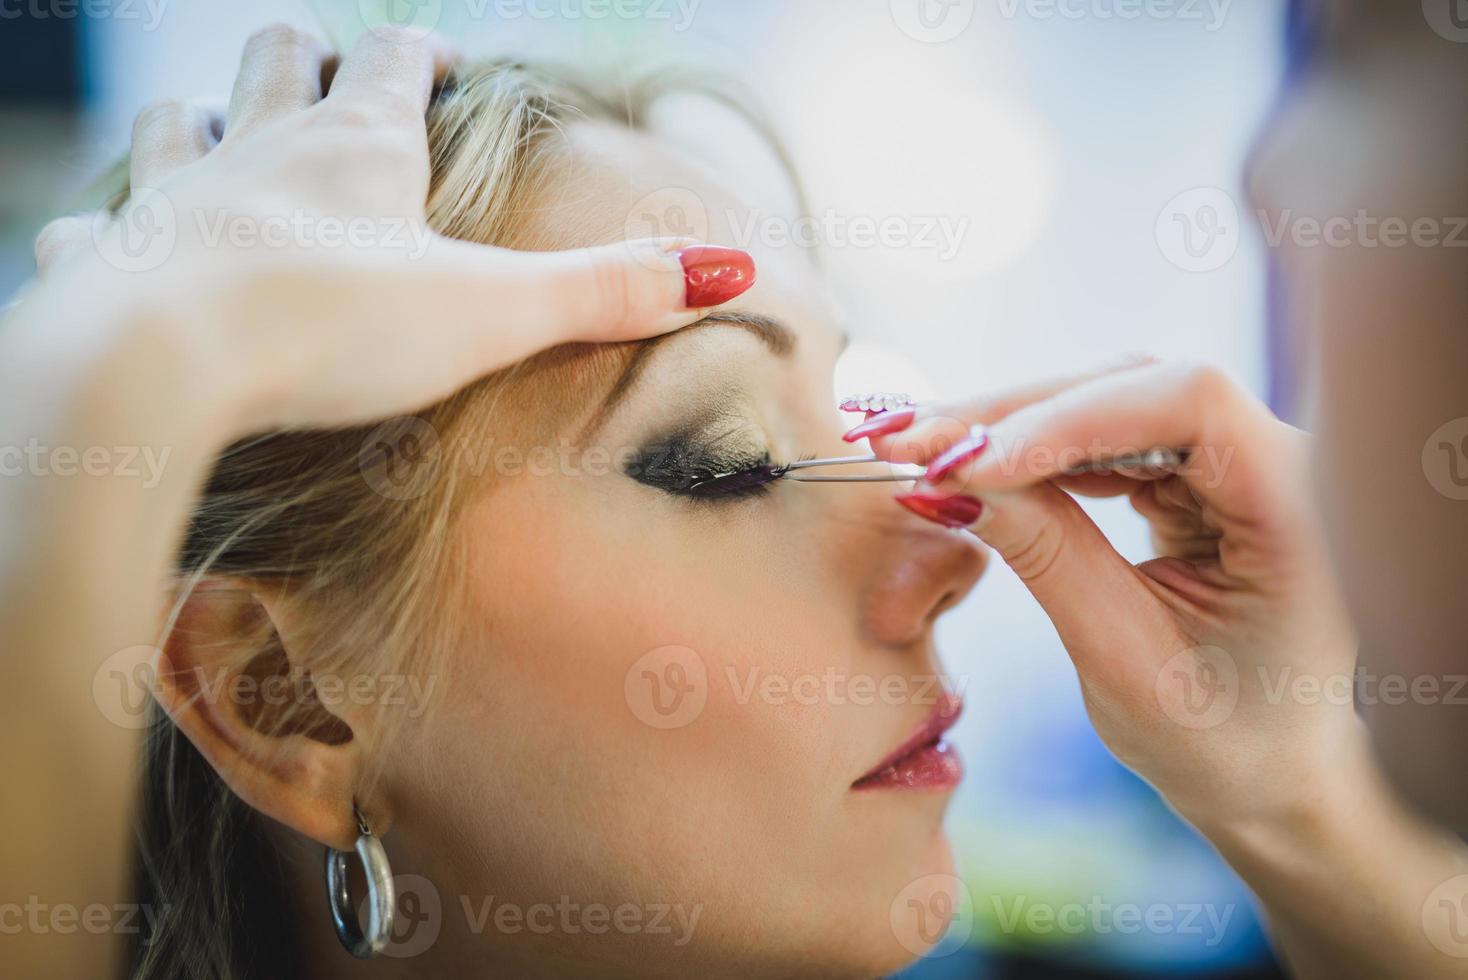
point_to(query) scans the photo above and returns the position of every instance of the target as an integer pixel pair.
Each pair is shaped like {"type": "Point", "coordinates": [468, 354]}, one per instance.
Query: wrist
{"type": "Point", "coordinates": [1314, 812]}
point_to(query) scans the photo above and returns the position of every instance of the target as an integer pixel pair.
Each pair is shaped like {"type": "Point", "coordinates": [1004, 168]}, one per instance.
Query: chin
{"type": "Point", "coordinates": [907, 910]}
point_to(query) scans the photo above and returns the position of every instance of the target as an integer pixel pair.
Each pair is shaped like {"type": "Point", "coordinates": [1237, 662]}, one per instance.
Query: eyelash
{"type": "Point", "coordinates": [741, 484]}
{"type": "Point", "coordinates": [701, 475]}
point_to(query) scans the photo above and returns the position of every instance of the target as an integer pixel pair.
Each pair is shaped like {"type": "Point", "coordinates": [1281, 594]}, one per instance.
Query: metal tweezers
{"type": "Point", "coordinates": [1155, 462]}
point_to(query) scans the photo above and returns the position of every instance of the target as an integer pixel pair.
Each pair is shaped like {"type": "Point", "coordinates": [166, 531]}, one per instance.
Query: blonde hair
{"type": "Point", "coordinates": [375, 573]}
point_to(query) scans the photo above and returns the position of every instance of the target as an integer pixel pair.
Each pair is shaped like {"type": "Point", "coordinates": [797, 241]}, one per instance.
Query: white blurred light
{"type": "Point", "coordinates": [970, 177]}
{"type": "Point", "coordinates": [866, 367]}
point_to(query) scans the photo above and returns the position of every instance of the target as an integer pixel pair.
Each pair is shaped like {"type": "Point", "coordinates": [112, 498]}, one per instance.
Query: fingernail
{"type": "Point", "coordinates": [944, 510]}
{"type": "Point", "coordinates": [966, 451]}
{"type": "Point", "coordinates": [880, 402]}
{"type": "Point", "coordinates": [715, 275]}
{"type": "Point", "coordinates": [882, 424]}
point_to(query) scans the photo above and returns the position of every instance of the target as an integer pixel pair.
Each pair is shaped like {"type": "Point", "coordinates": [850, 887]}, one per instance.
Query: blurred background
{"type": "Point", "coordinates": [1067, 174]}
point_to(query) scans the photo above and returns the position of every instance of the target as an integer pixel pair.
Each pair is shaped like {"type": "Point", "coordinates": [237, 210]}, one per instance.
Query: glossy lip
{"type": "Point", "coordinates": [943, 717]}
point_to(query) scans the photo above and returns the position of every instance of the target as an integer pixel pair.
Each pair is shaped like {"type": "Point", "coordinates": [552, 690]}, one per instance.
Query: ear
{"type": "Point", "coordinates": [235, 679]}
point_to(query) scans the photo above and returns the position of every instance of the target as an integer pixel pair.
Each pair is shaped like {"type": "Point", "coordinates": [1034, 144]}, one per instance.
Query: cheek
{"type": "Point", "coordinates": [632, 667]}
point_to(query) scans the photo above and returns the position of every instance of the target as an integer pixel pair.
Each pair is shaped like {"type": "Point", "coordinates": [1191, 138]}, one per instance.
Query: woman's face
{"type": "Point", "coordinates": [644, 760]}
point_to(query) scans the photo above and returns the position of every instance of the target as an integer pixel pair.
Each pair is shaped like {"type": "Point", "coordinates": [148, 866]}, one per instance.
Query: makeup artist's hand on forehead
{"type": "Point", "coordinates": [1242, 589]}
{"type": "Point", "coordinates": [386, 316]}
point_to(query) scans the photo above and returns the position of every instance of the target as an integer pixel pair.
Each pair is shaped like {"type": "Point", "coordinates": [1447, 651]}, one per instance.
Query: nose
{"type": "Point", "coordinates": [922, 572]}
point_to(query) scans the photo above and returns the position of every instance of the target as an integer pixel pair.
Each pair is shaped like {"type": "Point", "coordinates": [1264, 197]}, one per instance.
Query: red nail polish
{"type": "Point", "coordinates": [966, 451]}
{"type": "Point", "coordinates": [948, 511]}
{"type": "Point", "coordinates": [715, 275]}
{"type": "Point", "coordinates": [882, 424]}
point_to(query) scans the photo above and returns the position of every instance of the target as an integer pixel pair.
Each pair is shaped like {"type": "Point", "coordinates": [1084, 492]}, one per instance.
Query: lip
{"type": "Point", "coordinates": [924, 761]}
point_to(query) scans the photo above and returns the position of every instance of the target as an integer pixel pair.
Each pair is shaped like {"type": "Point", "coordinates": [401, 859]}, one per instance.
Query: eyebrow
{"type": "Point", "coordinates": [778, 337]}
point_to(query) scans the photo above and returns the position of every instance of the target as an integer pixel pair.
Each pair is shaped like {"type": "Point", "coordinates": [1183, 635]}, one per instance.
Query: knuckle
{"type": "Point", "coordinates": [1036, 555]}
{"type": "Point", "coordinates": [159, 113]}
{"type": "Point", "coordinates": [611, 285]}
{"type": "Point", "coordinates": [1206, 383]}
{"type": "Point", "coordinates": [275, 36]}
{"type": "Point", "coordinates": [55, 237]}
{"type": "Point", "coordinates": [392, 34]}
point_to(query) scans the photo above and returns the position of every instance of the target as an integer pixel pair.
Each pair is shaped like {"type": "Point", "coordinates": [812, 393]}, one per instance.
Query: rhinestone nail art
{"type": "Point", "coordinates": [876, 402]}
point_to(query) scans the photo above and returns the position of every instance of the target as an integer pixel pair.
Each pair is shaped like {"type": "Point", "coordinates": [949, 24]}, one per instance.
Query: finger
{"type": "Point", "coordinates": [280, 73]}
{"type": "Point", "coordinates": [167, 135]}
{"type": "Point", "coordinates": [1238, 460]}
{"type": "Point", "coordinates": [62, 239]}
{"type": "Point", "coordinates": [392, 70]}
{"type": "Point", "coordinates": [1084, 585]}
{"type": "Point", "coordinates": [614, 293]}
{"type": "Point", "coordinates": [1177, 522]}
{"type": "Point", "coordinates": [936, 429]}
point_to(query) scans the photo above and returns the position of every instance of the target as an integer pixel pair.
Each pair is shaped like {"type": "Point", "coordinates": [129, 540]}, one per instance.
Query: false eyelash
{"type": "Point", "coordinates": [740, 483]}
{"type": "Point", "coordinates": [745, 482]}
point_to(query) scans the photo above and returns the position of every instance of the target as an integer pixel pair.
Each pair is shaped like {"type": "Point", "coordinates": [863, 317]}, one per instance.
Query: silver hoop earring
{"type": "Point", "coordinates": [381, 900]}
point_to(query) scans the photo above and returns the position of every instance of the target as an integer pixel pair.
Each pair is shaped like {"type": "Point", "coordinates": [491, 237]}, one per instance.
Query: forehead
{"type": "Point", "coordinates": [604, 183]}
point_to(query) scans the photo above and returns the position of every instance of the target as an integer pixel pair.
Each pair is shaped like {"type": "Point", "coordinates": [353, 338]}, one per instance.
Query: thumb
{"type": "Point", "coordinates": [1093, 595]}
{"type": "Point", "coordinates": [626, 291]}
